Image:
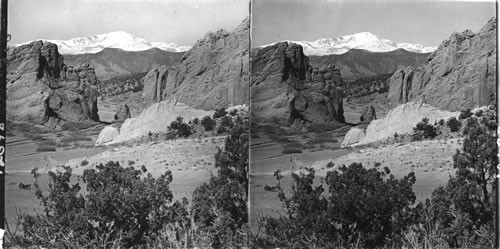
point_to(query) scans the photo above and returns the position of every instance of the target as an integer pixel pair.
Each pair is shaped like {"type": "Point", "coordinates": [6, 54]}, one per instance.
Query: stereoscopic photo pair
{"type": "Point", "coordinates": [237, 124]}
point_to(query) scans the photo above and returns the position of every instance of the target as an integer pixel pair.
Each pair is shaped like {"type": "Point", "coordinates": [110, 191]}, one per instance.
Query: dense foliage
{"type": "Point", "coordinates": [464, 208]}
{"type": "Point", "coordinates": [121, 207]}
{"type": "Point", "coordinates": [363, 207]}
{"type": "Point", "coordinates": [424, 130]}
{"type": "Point", "coordinates": [180, 128]}
{"type": "Point", "coordinates": [208, 123]}
{"type": "Point", "coordinates": [368, 85]}
{"type": "Point", "coordinates": [219, 112]}
{"type": "Point", "coordinates": [370, 208]}
{"type": "Point", "coordinates": [121, 84]}
{"type": "Point", "coordinates": [220, 206]}
{"type": "Point", "coordinates": [454, 124]}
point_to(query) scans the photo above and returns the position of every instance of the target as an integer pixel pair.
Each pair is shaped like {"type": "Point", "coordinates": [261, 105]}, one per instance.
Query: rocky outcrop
{"type": "Point", "coordinates": [122, 113]}
{"type": "Point", "coordinates": [368, 114]}
{"type": "Point", "coordinates": [213, 74]}
{"type": "Point", "coordinates": [157, 118]}
{"type": "Point", "coordinates": [41, 89]}
{"type": "Point", "coordinates": [107, 135]}
{"type": "Point", "coordinates": [287, 90]}
{"type": "Point", "coordinates": [460, 74]}
{"type": "Point", "coordinates": [353, 136]}
{"type": "Point", "coordinates": [402, 120]}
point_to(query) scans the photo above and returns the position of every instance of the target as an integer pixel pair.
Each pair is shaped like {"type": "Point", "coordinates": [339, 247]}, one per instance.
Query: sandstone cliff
{"type": "Point", "coordinates": [287, 90]}
{"type": "Point", "coordinates": [213, 74]}
{"type": "Point", "coordinates": [460, 74]}
{"type": "Point", "coordinates": [41, 89]}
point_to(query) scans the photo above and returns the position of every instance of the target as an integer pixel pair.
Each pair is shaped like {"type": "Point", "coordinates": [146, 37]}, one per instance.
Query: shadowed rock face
{"type": "Point", "coordinates": [41, 89]}
{"type": "Point", "coordinates": [122, 113]}
{"type": "Point", "coordinates": [460, 74]}
{"type": "Point", "coordinates": [287, 90]}
{"type": "Point", "coordinates": [368, 114]}
{"type": "Point", "coordinates": [213, 74]}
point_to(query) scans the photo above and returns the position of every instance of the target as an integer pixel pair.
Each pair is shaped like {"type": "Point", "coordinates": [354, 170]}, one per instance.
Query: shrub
{"type": "Point", "coordinates": [182, 129]}
{"type": "Point", "coordinates": [424, 130]}
{"type": "Point", "coordinates": [465, 114]}
{"type": "Point", "coordinates": [330, 165]}
{"type": "Point", "coordinates": [464, 209]}
{"type": "Point", "coordinates": [454, 124]}
{"type": "Point", "coordinates": [441, 122]}
{"type": "Point", "coordinates": [479, 113]}
{"type": "Point", "coordinates": [233, 112]}
{"type": "Point", "coordinates": [363, 207]}
{"type": "Point", "coordinates": [121, 207]}
{"type": "Point", "coordinates": [219, 112]}
{"type": "Point", "coordinates": [227, 122]}
{"type": "Point", "coordinates": [196, 121]}
{"type": "Point", "coordinates": [220, 206]}
{"type": "Point", "coordinates": [208, 123]}
{"type": "Point", "coordinates": [84, 163]}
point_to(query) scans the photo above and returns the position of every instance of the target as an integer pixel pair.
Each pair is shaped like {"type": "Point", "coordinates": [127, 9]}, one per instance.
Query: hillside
{"type": "Point", "coordinates": [357, 63]}
{"type": "Point", "coordinates": [111, 62]}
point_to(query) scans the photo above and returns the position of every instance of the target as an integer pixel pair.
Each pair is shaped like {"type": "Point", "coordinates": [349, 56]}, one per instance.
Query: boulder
{"type": "Point", "coordinates": [368, 114]}
{"type": "Point", "coordinates": [402, 120]}
{"type": "Point", "coordinates": [286, 90]}
{"type": "Point", "coordinates": [460, 74]}
{"type": "Point", "coordinates": [107, 135]}
{"type": "Point", "coordinates": [43, 90]}
{"type": "Point", "coordinates": [353, 136]}
{"type": "Point", "coordinates": [157, 118]}
{"type": "Point", "coordinates": [212, 74]}
{"type": "Point", "coordinates": [122, 113]}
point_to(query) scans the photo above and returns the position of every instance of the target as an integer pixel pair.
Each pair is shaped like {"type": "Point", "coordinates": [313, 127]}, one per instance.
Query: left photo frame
{"type": "Point", "coordinates": [126, 124]}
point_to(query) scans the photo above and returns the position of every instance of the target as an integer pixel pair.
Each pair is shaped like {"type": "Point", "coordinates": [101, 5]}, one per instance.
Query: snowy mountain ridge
{"type": "Point", "coordinates": [117, 39]}
{"type": "Point", "coordinates": [365, 40]}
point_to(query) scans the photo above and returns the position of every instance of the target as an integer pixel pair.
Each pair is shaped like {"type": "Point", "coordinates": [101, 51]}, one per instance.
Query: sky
{"type": "Point", "coordinates": [422, 22]}
{"type": "Point", "coordinates": [179, 21]}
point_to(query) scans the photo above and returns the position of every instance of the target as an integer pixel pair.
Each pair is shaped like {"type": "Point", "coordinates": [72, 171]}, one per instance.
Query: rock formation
{"type": "Point", "coordinates": [213, 74]}
{"type": "Point", "coordinates": [402, 120]}
{"type": "Point", "coordinates": [353, 136]}
{"type": "Point", "coordinates": [107, 135]}
{"type": "Point", "coordinates": [122, 113]}
{"type": "Point", "coordinates": [368, 114]}
{"type": "Point", "coordinates": [286, 90]}
{"type": "Point", "coordinates": [460, 74]}
{"type": "Point", "coordinates": [41, 89]}
{"type": "Point", "coordinates": [157, 118]}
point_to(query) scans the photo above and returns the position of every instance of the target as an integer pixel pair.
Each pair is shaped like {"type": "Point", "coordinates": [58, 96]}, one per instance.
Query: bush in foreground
{"type": "Point", "coordinates": [122, 207]}
{"type": "Point", "coordinates": [219, 207]}
{"type": "Point", "coordinates": [362, 207]}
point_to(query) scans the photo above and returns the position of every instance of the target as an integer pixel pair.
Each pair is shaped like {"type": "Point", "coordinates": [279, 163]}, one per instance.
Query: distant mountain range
{"type": "Point", "coordinates": [118, 39]}
{"type": "Point", "coordinates": [112, 62]}
{"type": "Point", "coordinates": [356, 64]}
{"type": "Point", "coordinates": [365, 41]}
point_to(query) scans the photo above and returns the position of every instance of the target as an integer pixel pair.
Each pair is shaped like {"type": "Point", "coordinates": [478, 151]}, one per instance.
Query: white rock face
{"type": "Point", "coordinates": [402, 119]}
{"type": "Point", "coordinates": [157, 118]}
{"type": "Point", "coordinates": [363, 40]}
{"type": "Point", "coordinates": [107, 135]}
{"type": "Point", "coordinates": [118, 39]}
{"type": "Point", "coordinates": [354, 135]}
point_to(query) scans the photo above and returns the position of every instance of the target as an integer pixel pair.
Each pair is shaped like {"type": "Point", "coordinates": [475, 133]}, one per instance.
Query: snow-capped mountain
{"type": "Point", "coordinates": [364, 40]}
{"type": "Point", "coordinates": [118, 39]}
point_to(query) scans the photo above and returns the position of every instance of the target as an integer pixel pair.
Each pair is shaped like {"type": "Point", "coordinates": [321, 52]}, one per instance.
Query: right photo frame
{"type": "Point", "coordinates": [373, 124]}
